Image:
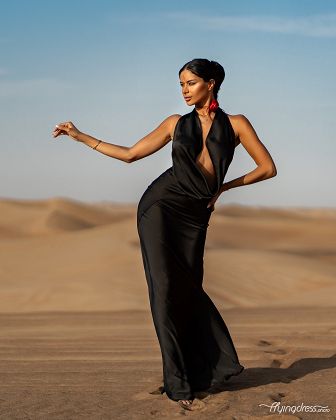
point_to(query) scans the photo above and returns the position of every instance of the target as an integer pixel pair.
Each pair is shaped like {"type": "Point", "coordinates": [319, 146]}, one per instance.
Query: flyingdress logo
{"type": "Point", "coordinates": [276, 407]}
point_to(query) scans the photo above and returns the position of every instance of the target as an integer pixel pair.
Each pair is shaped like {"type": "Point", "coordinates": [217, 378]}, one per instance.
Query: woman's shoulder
{"type": "Point", "coordinates": [174, 117]}
{"type": "Point", "coordinates": [238, 120]}
{"type": "Point", "coordinates": [172, 122]}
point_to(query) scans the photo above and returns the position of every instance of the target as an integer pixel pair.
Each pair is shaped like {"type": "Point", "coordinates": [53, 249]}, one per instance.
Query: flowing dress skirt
{"type": "Point", "coordinates": [196, 346]}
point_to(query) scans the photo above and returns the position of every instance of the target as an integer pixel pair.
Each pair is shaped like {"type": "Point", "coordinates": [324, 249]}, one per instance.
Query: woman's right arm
{"type": "Point", "coordinates": [146, 146]}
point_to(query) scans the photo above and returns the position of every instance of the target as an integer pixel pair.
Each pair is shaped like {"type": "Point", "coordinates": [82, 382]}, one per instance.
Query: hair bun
{"type": "Point", "coordinates": [217, 68]}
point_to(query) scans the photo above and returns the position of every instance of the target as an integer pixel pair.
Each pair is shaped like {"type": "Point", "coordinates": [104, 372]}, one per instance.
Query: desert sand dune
{"type": "Point", "coordinates": [77, 339]}
{"type": "Point", "coordinates": [55, 215]}
{"type": "Point", "coordinates": [70, 255]}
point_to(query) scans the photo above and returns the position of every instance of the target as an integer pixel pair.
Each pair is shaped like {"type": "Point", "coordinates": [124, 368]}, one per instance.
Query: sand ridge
{"type": "Point", "coordinates": [64, 254]}
{"type": "Point", "coordinates": [76, 334]}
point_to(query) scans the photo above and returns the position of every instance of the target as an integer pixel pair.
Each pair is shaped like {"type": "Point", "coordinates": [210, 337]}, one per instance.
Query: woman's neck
{"type": "Point", "coordinates": [207, 108]}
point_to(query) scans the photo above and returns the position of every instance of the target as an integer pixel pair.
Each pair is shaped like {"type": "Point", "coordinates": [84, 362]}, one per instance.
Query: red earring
{"type": "Point", "coordinates": [213, 105]}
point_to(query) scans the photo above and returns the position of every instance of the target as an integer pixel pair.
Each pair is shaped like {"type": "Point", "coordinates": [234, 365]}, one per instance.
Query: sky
{"type": "Point", "coordinates": [111, 67]}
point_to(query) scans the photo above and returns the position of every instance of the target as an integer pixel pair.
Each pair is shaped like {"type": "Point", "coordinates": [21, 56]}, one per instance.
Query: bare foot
{"type": "Point", "coordinates": [186, 404]}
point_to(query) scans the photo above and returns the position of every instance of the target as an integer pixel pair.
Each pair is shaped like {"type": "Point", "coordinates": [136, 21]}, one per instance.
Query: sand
{"type": "Point", "coordinates": [77, 339]}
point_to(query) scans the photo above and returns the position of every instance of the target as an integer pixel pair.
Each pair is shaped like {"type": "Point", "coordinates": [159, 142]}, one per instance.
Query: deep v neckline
{"type": "Point", "coordinates": [200, 126]}
{"type": "Point", "coordinates": [205, 142]}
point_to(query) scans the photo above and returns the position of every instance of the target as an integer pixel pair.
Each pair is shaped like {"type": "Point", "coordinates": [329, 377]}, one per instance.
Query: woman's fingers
{"type": "Point", "coordinates": [66, 128]}
{"type": "Point", "coordinates": [57, 133]}
{"type": "Point", "coordinates": [61, 129]}
{"type": "Point", "coordinates": [213, 201]}
{"type": "Point", "coordinates": [63, 126]}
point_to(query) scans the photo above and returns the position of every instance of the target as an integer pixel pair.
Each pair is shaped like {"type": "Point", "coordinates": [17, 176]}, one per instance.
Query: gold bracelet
{"type": "Point", "coordinates": [97, 144]}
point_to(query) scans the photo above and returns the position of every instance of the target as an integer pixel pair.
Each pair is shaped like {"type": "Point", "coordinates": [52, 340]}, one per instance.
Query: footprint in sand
{"type": "Point", "coordinates": [277, 396]}
{"type": "Point", "coordinates": [264, 343]}
{"type": "Point", "coordinates": [143, 395]}
{"type": "Point", "coordinates": [276, 363]}
{"type": "Point", "coordinates": [277, 351]}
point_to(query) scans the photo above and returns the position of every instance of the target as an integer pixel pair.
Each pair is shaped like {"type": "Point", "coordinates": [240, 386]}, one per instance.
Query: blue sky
{"type": "Point", "coordinates": [112, 69]}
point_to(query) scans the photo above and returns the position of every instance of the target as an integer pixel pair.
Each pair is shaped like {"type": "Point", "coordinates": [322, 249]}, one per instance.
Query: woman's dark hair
{"type": "Point", "coordinates": [207, 70]}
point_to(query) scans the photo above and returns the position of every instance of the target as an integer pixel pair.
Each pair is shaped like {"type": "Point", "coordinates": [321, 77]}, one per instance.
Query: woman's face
{"type": "Point", "coordinates": [194, 89]}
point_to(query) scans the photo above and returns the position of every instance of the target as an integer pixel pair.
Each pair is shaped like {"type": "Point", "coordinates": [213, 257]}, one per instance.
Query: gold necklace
{"type": "Point", "coordinates": [201, 115]}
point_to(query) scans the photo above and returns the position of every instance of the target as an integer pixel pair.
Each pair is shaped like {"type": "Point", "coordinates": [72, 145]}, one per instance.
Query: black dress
{"type": "Point", "coordinates": [172, 221]}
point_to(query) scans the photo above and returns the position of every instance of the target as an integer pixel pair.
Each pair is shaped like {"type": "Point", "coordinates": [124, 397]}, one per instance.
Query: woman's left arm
{"type": "Point", "coordinates": [249, 139]}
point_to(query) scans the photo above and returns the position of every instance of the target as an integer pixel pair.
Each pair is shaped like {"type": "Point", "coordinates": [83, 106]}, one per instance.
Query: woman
{"type": "Point", "coordinates": [172, 220]}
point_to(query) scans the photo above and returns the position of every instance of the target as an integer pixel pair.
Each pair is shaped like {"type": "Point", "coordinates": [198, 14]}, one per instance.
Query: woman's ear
{"type": "Point", "coordinates": [211, 84]}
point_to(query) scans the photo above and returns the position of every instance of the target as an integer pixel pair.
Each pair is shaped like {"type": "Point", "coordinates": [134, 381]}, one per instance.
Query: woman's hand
{"type": "Point", "coordinates": [211, 203]}
{"type": "Point", "coordinates": [213, 200]}
{"type": "Point", "coordinates": [66, 128]}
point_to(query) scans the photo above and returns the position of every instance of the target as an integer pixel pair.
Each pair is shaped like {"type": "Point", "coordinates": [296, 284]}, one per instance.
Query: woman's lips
{"type": "Point", "coordinates": [187, 98]}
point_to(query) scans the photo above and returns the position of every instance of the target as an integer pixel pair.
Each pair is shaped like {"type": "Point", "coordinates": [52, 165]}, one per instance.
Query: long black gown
{"type": "Point", "coordinates": [172, 221]}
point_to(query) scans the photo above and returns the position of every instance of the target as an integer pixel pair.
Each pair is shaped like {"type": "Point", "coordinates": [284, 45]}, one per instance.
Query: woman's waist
{"type": "Point", "coordinates": [167, 189]}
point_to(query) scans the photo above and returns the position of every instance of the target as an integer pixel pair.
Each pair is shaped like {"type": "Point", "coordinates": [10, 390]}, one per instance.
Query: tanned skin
{"type": "Point", "coordinates": [198, 93]}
